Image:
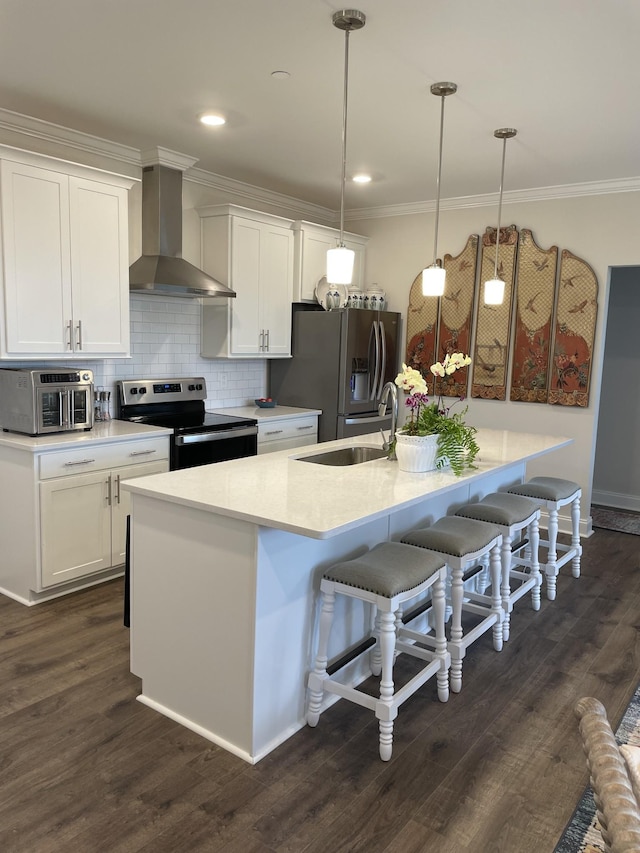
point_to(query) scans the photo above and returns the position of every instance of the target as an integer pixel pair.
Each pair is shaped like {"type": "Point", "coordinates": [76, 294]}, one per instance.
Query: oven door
{"type": "Point", "coordinates": [64, 407]}
{"type": "Point", "coordinates": [203, 448]}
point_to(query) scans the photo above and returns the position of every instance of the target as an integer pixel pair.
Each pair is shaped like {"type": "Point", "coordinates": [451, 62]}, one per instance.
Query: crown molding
{"type": "Point", "coordinates": [35, 128]}
{"type": "Point", "coordinates": [249, 191]}
{"type": "Point", "coordinates": [57, 134]}
{"type": "Point", "coordinates": [165, 157]}
{"type": "Point", "coordinates": [620, 185]}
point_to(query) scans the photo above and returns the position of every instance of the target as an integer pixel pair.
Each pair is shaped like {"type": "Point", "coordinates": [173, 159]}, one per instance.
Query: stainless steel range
{"type": "Point", "coordinates": [199, 437]}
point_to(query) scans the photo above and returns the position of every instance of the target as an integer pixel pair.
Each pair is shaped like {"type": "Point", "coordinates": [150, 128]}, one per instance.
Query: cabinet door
{"type": "Point", "coordinates": [358, 264]}
{"type": "Point", "coordinates": [246, 338]}
{"type": "Point", "coordinates": [121, 503]}
{"type": "Point", "coordinates": [276, 288]}
{"type": "Point", "coordinates": [99, 267]}
{"type": "Point", "coordinates": [75, 524]}
{"type": "Point", "coordinates": [37, 286]}
{"type": "Point", "coordinates": [314, 261]}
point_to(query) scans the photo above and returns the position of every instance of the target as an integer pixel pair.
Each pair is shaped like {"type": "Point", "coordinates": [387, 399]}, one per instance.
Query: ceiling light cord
{"type": "Point", "coordinates": [343, 179]}
{"type": "Point", "coordinates": [504, 153]}
{"type": "Point", "coordinates": [438, 179]}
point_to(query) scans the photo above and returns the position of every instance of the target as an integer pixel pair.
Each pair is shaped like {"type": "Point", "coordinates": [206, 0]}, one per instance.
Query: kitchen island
{"type": "Point", "coordinates": [226, 565]}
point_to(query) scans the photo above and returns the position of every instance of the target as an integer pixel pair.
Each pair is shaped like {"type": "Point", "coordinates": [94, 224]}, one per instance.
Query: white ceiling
{"type": "Point", "coordinates": [565, 73]}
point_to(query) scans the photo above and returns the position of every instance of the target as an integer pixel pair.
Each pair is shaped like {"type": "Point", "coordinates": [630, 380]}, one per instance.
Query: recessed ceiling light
{"type": "Point", "coordinates": [362, 179]}
{"type": "Point", "coordinates": [280, 75]}
{"type": "Point", "coordinates": [212, 119]}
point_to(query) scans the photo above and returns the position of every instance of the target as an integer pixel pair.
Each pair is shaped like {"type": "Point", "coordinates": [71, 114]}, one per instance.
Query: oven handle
{"type": "Point", "coordinates": [201, 437]}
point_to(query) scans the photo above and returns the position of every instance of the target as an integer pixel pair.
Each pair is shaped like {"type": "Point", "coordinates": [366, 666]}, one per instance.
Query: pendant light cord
{"type": "Point", "coordinates": [504, 151]}
{"type": "Point", "coordinates": [344, 132]}
{"type": "Point", "coordinates": [435, 239]}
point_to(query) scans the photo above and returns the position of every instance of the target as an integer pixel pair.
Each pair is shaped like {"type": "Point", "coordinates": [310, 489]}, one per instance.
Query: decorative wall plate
{"type": "Point", "coordinates": [535, 289]}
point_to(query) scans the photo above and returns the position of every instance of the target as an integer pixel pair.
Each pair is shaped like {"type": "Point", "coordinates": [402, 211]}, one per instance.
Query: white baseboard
{"type": "Point", "coordinates": [616, 500]}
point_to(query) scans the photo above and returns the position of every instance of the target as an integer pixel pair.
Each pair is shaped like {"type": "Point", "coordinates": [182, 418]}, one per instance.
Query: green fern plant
{"type": "Point", "coordinates": [457, 445]}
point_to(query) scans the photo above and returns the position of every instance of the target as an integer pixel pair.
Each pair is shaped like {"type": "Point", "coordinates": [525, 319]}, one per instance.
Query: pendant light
{"type": "Point", "coordinates": [340, 260]}
{"type": "Point", "coordinates": [433, 276]}
{"type": "Point", "coordinates": [494, 288]}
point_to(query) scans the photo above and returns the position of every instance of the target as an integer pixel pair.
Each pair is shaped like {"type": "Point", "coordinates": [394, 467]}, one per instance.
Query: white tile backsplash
{"type": "Point", "coordinates": [165, 342]}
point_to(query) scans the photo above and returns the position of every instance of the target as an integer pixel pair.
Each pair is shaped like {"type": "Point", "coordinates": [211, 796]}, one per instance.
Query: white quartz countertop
{"type": "Point", "coordinates": [103, 432]}
{"type": "Point", "coordinates": [276, 414]}
{"type": "Point", "coordinates": [280, 491]}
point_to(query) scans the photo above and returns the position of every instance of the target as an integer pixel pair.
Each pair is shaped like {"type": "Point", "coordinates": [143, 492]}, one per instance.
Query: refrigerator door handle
{"type": "Point", "coordinates": [376, 419]}
{"type": "Point", "coordinates": [377, 362]}
{"type": "Point", "coordinates": [371, 364]}
{"type": "Point", "coordinates": [383, 350]}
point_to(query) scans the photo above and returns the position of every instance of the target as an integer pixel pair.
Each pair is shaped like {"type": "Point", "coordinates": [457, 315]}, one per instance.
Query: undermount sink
{"type": "Point", "coordinates": [345, 456]}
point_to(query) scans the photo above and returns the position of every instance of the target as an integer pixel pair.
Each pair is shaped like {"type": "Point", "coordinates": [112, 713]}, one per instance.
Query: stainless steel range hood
{"type": "Point", "coordinates": [161, 270]}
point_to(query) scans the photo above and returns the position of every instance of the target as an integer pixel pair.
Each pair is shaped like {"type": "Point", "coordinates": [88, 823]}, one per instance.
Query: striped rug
{"type": "Point", "coordinates": [582, 834]}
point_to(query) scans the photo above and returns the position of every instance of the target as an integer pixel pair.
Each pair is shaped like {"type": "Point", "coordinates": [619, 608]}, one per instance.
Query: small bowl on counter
{"type": "Point", "coordinates": [265, 403]}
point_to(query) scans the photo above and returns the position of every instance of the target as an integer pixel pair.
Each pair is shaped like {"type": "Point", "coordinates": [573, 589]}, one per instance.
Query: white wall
{"type": "Point", "coordinates": [600, 229]}
{"type": "Point", "coordinates": [616, 479]}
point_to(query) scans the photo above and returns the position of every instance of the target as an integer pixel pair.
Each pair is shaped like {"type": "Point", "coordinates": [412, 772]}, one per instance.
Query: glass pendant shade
{"type": "Point", "coordinates": [494, 291]}
{"type": "Point", "coordinates": [340, 265]}
{"type": "Point", "coordinates": [433, 281]}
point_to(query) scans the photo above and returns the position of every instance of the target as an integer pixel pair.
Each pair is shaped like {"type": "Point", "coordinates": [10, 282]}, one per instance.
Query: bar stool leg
{"type": "Point", "coordinates": [456, 647]}
{"type": "Point", "coordinates": [551, 569]}
{"type": "Point", "coordinates": [575, 537]}
{"type": "Point", "coordinates": [495, 566]}
{"type": "Point", "coordinates": [438, 602]}
{"type": "Point", "coordinates": [385, 710]}
{"type": "Point", "coordinates": [376, 655]}
{"type": "Point", "coordinates": [505, 586]}
{"type": "Point", "coordinates": [319, 673]}
{"type": "Point", "coordinates": [534, 539]}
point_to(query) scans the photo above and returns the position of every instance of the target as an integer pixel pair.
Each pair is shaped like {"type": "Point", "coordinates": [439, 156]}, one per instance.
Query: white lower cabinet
{"type": "Point", "coordinates": [285, 434]}
{"type": "Point", "coordinates": [63, 512]}
{"type": "Point", "coordinates": [83, 521]}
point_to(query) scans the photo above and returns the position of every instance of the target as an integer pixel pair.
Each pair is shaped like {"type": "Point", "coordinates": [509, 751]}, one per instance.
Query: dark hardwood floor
{"type": "Point", "coordinates": [84, 767]}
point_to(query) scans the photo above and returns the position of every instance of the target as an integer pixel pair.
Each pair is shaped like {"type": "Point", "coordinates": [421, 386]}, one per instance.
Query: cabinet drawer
{"type": "Point", "coordinates": [305, 427]}
{"type": "Point", "coordinates": [97, 457]}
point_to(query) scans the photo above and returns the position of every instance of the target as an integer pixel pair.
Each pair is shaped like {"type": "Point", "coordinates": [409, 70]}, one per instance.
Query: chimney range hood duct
{"type": "Point", "coordinates": [160, 270]}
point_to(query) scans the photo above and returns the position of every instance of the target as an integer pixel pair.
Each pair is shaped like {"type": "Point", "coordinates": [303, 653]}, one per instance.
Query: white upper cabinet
{"type": "Point", "coordinates": [311, 245]}
{"type": "Point", "coordinates": [65, 259]}
{"type": "Point", "coordinates": [252, 253]}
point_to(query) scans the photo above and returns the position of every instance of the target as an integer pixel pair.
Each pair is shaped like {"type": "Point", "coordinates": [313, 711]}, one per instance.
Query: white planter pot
{"type": "Point", "coordinates": [416, 453]}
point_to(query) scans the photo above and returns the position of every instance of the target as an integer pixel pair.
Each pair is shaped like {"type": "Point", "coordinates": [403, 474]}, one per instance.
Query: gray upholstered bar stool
{"type": "Point", "coordinates": [553, 493]}
{"type": "Point", "coordinates": [464, 543]}
{"type": "Point", "coordinates": [387, 576]}
{"type": "Point", "coordinates": [512, 514]}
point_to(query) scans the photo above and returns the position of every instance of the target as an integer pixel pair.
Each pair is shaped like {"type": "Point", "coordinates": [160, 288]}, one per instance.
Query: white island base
{"type": "Point", "coordinates": [226, 567]}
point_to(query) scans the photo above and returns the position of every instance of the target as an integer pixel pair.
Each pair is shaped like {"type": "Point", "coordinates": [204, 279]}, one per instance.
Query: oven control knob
{"type": "Point", "coordinates": [142, 390]}
{"type": "Point", "coordinates": [199, 386]}
{"type": "Point", "coordinates": [86, 377]}
{"type": "Point", "coordinates": [134, 391]}
{"type": "Point", "coordinates": [192, 387]}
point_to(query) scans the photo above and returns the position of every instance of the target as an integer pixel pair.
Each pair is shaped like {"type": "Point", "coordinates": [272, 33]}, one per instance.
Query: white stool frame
{"type": "Point", "coordinates": [390, 640]}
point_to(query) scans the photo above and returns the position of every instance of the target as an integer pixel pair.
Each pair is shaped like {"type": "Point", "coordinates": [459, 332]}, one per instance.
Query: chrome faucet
{"type": "Point", "coordinates": [389, 388]}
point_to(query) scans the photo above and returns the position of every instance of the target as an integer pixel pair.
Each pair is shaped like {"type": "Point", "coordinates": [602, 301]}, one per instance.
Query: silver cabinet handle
{"type": "Point", "coordinates": [309, 426]}
{"type": "Point", "coordinates": [80, 462]}
{"type": "Point", "coordinates": [142, 452]}
{"type": "Point", "coordinates": [70, 333]}
{"type": "Point", "coordinates": [108, 482]}
{"type": "Point", "coordinates": [274, 432]}
{"type": "Point", "coordinates": [79, 330]}
{"type": "Point", "coordinates": [117, 495]}
{"type": "Point", "coordinates": [261, 340]}
{"type": "Point", "coordinates": [267, 345]}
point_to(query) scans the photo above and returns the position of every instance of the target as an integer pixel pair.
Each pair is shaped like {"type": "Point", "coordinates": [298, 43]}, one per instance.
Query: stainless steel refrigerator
{"type": "Point", "coordinates": [340, 362]}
